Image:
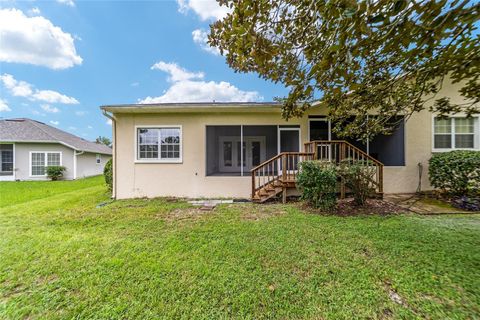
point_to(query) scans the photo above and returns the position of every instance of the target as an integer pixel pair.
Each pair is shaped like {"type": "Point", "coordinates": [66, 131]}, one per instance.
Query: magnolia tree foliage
{"type": "Point", "coordinates": [386, 57]}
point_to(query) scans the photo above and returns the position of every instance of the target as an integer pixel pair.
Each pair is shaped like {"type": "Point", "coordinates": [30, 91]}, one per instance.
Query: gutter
{"type": "Point", "coordinates": [114, 151]}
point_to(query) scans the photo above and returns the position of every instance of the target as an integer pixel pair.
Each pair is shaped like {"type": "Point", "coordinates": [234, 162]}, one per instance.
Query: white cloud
{"type": "Point", "coordinates": [205, 9]}
{"type": "Point", "coordinates": [72, 128]}
{"type": "Point", "coordinates": [176, 73]}
{"type": "Point", "coordinates": [109, 122]}
{"type": "Point", "coordinates": [26, 90]}
{"type": "Point", "coordinates": [80, 113]}
{"type": "Point", "coordinates": [49, 109]}
{"type": "Point", "coordinates": [34, 11]}
{"type": "Point", "coordinates": [4, 106]}
{"type": "Point", "coordinates": [134, 84]}
{"type": "Point", "coordinates": [89, 127]}
{"type": "Point", "coordinates": [202, 91]}
{"type": "Point", "coordinates": [69, 3]}
{"type": "Point", "coordinates": [185, 89]}
{"type": "Point", "coordinates": [200, 37]}
{"type": "Point", "coordinates": [35, 40]}
{"type": "Point", "coordinates": [53, 97]}
{"type": "Point", "coordinates": [55, 123]}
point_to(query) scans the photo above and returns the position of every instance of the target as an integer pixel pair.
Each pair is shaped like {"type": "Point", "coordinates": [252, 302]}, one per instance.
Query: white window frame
{"type": "Point", "coordinates": [476, 134]}
{"type": "Point", "coordinates": [169, 126]}
{"type": "Point", "coordinates": [98, 158]}
{"type": "Point", "coordinates": [45, 157]}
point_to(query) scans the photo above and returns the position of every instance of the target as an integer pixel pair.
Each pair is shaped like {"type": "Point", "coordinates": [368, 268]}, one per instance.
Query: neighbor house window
{"type": "Point", "coordinates": [6, 159]}
{"type": "Point", "coordinates": [41, 160]}
{"type": "Point", "coordinates": [455, 133]}
{"type": "Point", "coordinates": [98, 159]}
{"type": "Point", "coordinates": [162, 144]}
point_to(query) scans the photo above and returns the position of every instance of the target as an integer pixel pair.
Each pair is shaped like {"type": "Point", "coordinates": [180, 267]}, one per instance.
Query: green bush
{"type": "Point", "coordinates": [359, 177]}
{"type": "Point", "coordinates": [317, 182]}
{"type": "Point", "coordinates": [55, 172]}
{"type": "Point", "coordinates": [107, 173]}
{"type": "Point", "coordinates": [456, 172]}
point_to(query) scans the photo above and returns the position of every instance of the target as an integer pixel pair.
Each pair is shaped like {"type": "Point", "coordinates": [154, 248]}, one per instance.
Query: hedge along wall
{"type": "Point", "coordinates": [456, 172]}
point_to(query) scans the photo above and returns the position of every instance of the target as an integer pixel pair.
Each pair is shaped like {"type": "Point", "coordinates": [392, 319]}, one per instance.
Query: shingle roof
{"type": "Point", "coordinates": [27, 130]}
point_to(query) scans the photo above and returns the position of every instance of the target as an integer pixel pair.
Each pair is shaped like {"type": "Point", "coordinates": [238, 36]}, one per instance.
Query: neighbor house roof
{"type": "Point", "coordinates": [27, 130]}
{"type": "Point", "coordinates": [195, 107]}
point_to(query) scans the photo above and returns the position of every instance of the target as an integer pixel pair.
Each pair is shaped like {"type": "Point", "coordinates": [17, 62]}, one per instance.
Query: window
{"type": "Point", "coordinates": [161, 144]}
{"type": "Point", "coordinates": [455, 133]}
{"type": "Point", "coordinates": [41, 160]}
{"type": "Point", "coordinates": [6, 159]}
{"type": "Point", "coordinates": [98, 159]}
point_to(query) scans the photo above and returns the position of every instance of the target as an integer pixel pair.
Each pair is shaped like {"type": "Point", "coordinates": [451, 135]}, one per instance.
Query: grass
{"type": "Point", "coordinates": [61, 257]}
{"type": "Point", "coordinates": [24, 191]}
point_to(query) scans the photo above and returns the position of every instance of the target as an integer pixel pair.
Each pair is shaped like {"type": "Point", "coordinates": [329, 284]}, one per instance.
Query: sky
{"type": "Point", "coordinates": [62, 59]}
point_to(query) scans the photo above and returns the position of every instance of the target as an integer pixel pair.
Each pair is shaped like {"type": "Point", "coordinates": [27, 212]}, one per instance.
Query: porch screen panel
{"type": "Point", "coordinates": [390, 149]}
{"type": "Point", "coordinates": [357, 143]}
{"type": "Point", "coordinates": [261, 143]}
{"type": "Point", "coordinates": [223, 151]}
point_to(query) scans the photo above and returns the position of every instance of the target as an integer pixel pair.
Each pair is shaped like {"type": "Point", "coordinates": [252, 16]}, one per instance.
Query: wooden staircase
{"type": "Point", "coordinates": [278, 174]}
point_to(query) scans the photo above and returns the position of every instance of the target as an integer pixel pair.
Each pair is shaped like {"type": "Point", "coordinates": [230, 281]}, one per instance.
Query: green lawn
{"type": "Point", "coordinates": [61, 257]}
{"type": "Point", "coordinates": [24, 191]}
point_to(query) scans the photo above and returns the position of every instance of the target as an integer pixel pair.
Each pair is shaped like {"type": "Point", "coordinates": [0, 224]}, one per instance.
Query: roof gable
{"type": "Point", "coordinates": [27, 130]}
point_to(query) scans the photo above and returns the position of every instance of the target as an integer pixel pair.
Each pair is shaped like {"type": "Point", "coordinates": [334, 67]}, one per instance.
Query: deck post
{"type": "Point", "coordinates": [284, 178]}
{"type": "Point", "coordinates": [253, 184]}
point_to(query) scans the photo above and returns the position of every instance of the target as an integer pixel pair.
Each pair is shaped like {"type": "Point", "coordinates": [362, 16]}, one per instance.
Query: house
{"type": "Point", "coordinates": [27, 147]}
{"type": "Point", "coordinates": [247, 150]}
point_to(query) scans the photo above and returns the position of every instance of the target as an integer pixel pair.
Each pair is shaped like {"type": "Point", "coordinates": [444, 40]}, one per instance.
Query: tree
{"type": "Point", "coordinates": [357, 57]}
{"type": "Point", "coordinates": [103, 140]}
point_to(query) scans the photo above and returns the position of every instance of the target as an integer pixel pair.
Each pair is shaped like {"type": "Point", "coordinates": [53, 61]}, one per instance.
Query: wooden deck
{"type": "Point", "coordinates": [269, 180]}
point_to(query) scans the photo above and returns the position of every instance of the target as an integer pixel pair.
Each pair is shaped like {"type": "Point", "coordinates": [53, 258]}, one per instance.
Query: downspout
{"type": "Point", "coordinates": [114, 151]}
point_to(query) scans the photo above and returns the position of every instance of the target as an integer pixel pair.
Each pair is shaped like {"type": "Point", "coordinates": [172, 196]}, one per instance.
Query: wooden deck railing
{"type": "Point", "coordinates": [284, 166]}
{"type": "Point", "coordinates": [339, 151]}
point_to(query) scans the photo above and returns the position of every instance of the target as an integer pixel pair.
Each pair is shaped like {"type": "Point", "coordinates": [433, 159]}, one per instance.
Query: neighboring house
{"type": "Point", "coordinates": [27, 147]}
{"type": "Point", "coordinates": [209, 149]}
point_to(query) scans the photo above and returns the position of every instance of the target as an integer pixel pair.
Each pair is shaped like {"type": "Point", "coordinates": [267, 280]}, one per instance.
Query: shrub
{"type": "Point", "coordinates": [456, 172]}
{"type": "Point", "coordinates": [55, 172]}
{"type": "Point", "coordinates": [359, 177]}
{"type": "Point", "coordinates": [107, 173]}
{"type": "Point", "coordinates": [318, 183]}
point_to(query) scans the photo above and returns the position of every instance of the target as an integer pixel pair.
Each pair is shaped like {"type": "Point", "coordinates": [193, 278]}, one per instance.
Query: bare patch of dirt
{"type": "Point", "coordinates": [182, 214]}
{"type": "Point", "coordinates": [257, 212]}
{"type": "Point", "coordinates": [43, 280]}
{"type": "Point", "coordinates": [347, 207]}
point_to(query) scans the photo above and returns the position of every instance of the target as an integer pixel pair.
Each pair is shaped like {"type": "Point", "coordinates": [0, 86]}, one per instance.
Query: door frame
{"type": "Point", "coordinates": [289, 129]}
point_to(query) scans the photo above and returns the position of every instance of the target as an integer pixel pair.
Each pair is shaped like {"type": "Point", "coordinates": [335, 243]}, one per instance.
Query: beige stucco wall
{"type": "Point", "coordinates": [87, 165]}
{"type": "Point", "coordinates": [22, 159]}
{"type": "Point", "coordinates": [188, 179]}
